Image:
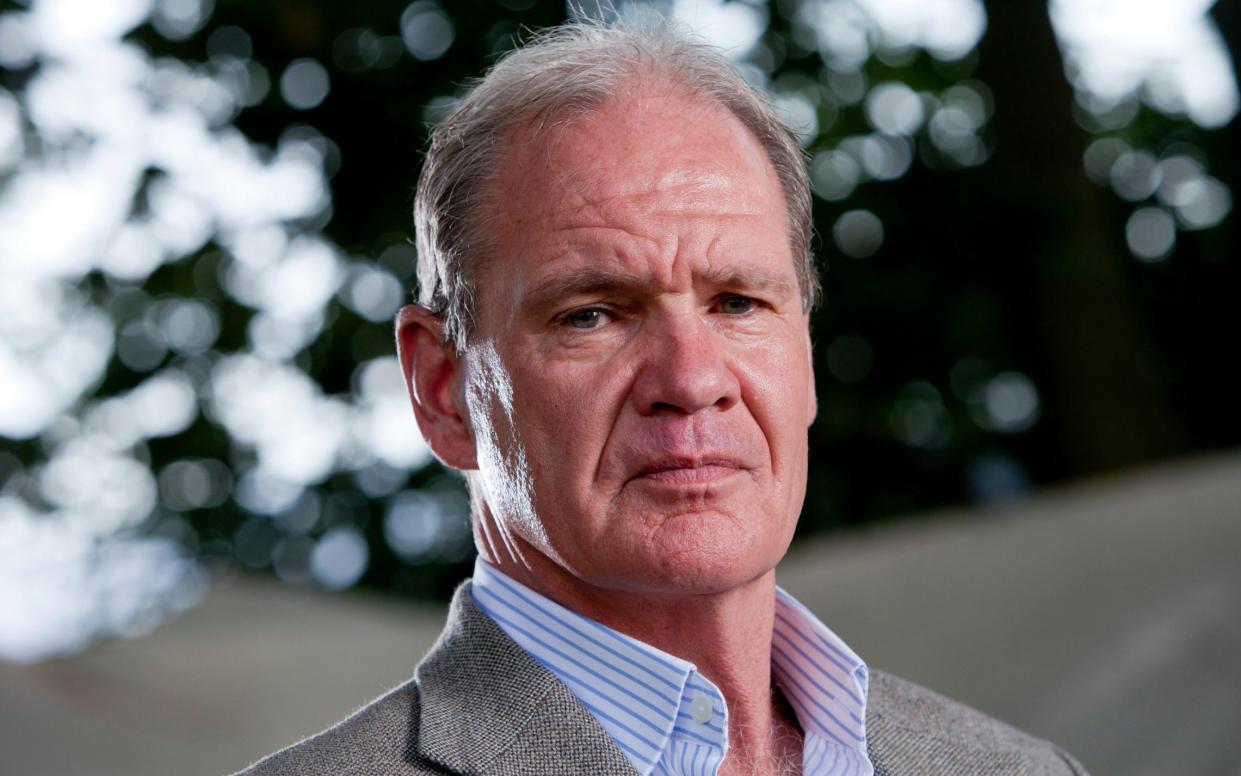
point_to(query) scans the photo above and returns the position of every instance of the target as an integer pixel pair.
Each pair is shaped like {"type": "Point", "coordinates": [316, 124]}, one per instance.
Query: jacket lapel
{"type": "Point", "coordinates": [487, 707]}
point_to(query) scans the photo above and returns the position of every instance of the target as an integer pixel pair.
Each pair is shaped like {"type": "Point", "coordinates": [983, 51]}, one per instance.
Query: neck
{"type": "Point", "coordinates": [726, 634]}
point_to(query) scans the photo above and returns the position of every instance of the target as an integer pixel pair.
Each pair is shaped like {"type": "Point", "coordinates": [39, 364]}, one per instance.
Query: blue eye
{"type": "Point", "coordinates": [737, 305]}
{"type": "Point", "coordinates": [589, 318]}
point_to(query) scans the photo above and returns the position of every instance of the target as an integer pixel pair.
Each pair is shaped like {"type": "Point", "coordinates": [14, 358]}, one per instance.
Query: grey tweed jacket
{"type": "Point", "coordinates": [479, 704]}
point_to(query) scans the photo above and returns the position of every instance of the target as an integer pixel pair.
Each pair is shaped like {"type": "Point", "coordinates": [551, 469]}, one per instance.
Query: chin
{"type": "Point", "coordinates": [701, 568]}
{"type": "Point", "coordinates": [702, 581]}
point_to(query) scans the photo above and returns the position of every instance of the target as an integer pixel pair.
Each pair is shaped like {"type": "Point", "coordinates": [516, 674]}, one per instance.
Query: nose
{"type": "Point", "coordinates": [684, 369]}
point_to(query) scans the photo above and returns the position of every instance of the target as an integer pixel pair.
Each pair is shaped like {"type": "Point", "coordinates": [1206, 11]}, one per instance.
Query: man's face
{"type": "Point", "coordinates": [640, 378]}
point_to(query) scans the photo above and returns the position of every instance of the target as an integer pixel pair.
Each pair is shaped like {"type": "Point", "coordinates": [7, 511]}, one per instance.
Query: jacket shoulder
{"type": "Point", "coordinates": [912, 730]}
{"type": "Point", "coordinates": [377, 738]}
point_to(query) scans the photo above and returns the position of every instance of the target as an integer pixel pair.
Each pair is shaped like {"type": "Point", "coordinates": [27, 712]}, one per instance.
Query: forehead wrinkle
{"type": "Point", "coordinates": [679, 192]}
{"type": "Point", "coordinates": [587, 280]}
{"type": "Point", "coordinates": [578, 172]}
{"type": "Point", "coordinates": [575, 154]}
{"type": "Point", "coordinates": [611, 239]}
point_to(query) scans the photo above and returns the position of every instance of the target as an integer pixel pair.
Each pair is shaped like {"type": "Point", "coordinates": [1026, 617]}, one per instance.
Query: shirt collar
{"type": "Point", "coordinates": [647, 699]}
{"type": "Point", "coordinates": [822, 678]}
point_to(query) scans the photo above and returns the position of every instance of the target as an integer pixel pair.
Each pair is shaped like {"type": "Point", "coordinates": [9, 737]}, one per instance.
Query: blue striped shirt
{"type": "Point", "coordinates": [667, 718]}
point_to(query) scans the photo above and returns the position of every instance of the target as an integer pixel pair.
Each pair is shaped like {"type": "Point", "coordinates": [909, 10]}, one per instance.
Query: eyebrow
{"type": "Point", "coordinates": [598, 281]}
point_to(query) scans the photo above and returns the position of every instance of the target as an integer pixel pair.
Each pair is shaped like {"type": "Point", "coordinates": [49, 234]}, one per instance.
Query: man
{"type": "Point", "coordinates": [613, 345]}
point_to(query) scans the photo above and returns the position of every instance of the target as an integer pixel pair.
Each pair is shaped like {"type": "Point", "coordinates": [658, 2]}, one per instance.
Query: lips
{"type": "Point", "coordinates": [689, 469]}
{"type": "Point", "coordinates": [682, 451]}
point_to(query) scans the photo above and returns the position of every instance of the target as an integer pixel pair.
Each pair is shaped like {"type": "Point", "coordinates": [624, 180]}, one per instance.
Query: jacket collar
{"type": "Point", "coordinates": [488, 707]}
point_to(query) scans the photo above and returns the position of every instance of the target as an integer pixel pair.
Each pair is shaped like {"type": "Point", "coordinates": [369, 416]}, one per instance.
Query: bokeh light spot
{"type": "Point", "coordinates": [303, 515]}
{"type": "Point", "coordinates": [848, 86]}
{"type": "Point", "coordinates": [424, 524]}
{"type": "Point", "coordinates": [188, 326]}
{"type": "Point", "coordinates": [179, 19]}
{"type": "Point", "coordinates": [885, 157]}
{"type": "Point", "coordinates": [18, 43]}
{"type": "Point", "coordinates": [304, 84]}
{"type": "Point", "coordinates": [1150, 233]}
{"type": "Point", "coordinates": [291, 559]}
{"type": "Point", "coordinates": [799, 113]}
{"type": "Point", "coordinates": [164, 404]}
{"type": "Point", "coordinates": [380, 479]}
{"type": "Point", "coordinates": [968, 378]}
{"type": "Point", "coordinates": [919, 417]}
{"type": "Point", "coordinates": [1135, 175]}
{"type": "Point", "coordinates": [12, 143]}
{"type": "Point", "coordinates": [1010, 403]}
{"type": "Point", "coordinates": [140, 347]}
{"type": "Point", "coordinates": [858, 233]}
{"type": "Point", "coordinates": [893, 108]}
{"type": "Point", "coordinates": [229, 40]}
{"type": "Point", "coordinates": [952, 130]}
{"type": "Point", "coordinates": [1176, 170]}
{"type": "Point", "coordinates": [372, 292]}
{"type": "Point", "coordinates": [384, 398]}
{"type": "Point", "coordinates": [339, 558]}
{"type": "Point", "coordinates": [1100, 157]}
{"type": "Point", "coordinates": [994, 477]}
{"type": "Point", "coordinates": [1202, 203]}
{"type": "Point", "coordinates": [834, 174]}
{"type": "Point", "coordinates": [263, 493]}
{"type": "Point", "coordinates": [254, 542]}
{"type": "Point", "coordinates": [426, 30]}
{"type": "Point", "coordinates": [194, 483]}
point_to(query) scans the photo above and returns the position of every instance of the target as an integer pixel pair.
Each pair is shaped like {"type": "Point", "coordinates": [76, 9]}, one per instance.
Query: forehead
{"type": "Point", "coordinates": [656, 150]}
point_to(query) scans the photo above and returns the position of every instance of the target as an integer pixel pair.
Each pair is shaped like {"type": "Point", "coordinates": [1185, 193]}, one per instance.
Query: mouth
{"type": "Point", "coordinates": [681, 470]}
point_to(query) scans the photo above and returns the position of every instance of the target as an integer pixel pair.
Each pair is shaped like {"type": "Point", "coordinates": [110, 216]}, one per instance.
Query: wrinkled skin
{"type": "Point", "coordinates": [639, 384]}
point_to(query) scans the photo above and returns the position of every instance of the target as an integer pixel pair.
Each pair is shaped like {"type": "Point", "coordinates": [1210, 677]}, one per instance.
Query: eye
{"type": "Point", "coordinates": [733, 304]}
{"type": "Point", "coordinates": [585, 319]}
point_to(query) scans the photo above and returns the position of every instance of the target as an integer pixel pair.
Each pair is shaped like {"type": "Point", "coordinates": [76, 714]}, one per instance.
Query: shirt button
{"type": "Point", "coordinates": [700, 709]}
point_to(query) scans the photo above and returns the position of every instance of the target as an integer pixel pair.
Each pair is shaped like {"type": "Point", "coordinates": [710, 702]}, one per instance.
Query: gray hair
{"type": "Point", "coordinates": [564, 73]}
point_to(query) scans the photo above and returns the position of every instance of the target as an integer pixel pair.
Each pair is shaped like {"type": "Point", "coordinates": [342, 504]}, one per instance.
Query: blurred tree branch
{"type": "Point", "coordinates": [1089, 330]}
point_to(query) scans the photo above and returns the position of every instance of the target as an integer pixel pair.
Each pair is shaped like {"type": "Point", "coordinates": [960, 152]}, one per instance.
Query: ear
{"type": "Point", "coordinates": [433, 376]}
{"type": "Point", "coordinates": [812, 398]}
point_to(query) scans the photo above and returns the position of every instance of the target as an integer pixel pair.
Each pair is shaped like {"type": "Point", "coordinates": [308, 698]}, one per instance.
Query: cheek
{"type": "Point", "coordinates": [567, 401]}
{"type": "Point", "coordinates": [565, 413]}
{"type": "Point", "coordinates": [776, 386]}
